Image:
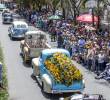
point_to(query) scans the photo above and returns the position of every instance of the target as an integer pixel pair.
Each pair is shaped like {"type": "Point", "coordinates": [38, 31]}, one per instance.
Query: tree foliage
{"type": "Point", "coordinates": [73, 6]}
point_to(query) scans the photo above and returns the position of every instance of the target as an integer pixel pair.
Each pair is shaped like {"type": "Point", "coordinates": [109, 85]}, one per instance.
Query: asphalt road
{"type": "Point", "coordinates": [23, 87]}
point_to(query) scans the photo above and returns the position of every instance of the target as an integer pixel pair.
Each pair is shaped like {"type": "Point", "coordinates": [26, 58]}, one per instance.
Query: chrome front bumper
{"type": "Point", "coordinates": [7, 22]}
{"type": "Point", "coordinates": [18, 36]}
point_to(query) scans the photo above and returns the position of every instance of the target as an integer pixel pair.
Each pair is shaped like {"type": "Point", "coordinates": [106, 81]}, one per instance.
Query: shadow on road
{"type": "Point", "coordinates": [6, 24]}
{"type": "Point", "coordinates": [56, 96]}
{"type": "Point", "coordinates": [103, 82]}
{"type": "Point", "coordinates": [48, 95]}
{"type": "Point", "coordinates": [27, 65]}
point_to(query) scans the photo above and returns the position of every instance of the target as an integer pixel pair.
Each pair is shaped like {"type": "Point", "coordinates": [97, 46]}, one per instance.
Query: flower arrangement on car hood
{"type": "Point", "coordinates": [62, 69]}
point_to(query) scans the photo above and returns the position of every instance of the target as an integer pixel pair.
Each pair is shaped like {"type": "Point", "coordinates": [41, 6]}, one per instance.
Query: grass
{"type": "Point", "coordinates": [3, 89]}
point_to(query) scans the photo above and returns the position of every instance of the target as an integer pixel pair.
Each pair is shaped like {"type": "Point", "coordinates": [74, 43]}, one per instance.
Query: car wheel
{"type": "Point", "coordinates": [25, 58]}
{"type": "Point", "coordinates": [33, 74]}
{"type": "Point", "coordinates": [42, 87]}
{"type": "Point", "coordinates": [21, 54]}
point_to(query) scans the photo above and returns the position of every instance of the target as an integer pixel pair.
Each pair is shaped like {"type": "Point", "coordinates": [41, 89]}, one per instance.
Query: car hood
{"type": "Point", "coordinates": [20, 31]}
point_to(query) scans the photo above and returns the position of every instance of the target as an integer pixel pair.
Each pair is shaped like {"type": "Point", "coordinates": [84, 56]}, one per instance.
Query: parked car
{"type": "Point", "coordinates": [32, 45]}
{"type": "Point", "coordinates": [7, 18]}
{"type": "Point", "coordinates": [18, 30]}
{"type": "Point", "coordinates": [2, 6]}
{"type": "Point", "coordinates": [5, 11]}
{"type": "Point", "coordinates": [45, 75]}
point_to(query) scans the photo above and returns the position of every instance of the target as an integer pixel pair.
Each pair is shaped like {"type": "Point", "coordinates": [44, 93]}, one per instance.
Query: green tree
{"type": "Point", "coordinates": [99, 8]}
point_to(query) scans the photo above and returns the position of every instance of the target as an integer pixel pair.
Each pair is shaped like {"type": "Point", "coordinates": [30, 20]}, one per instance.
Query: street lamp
{"type": "Point", "coordinates": [91, 4]}
{"type": "Point", "coordinates": [21, 4]}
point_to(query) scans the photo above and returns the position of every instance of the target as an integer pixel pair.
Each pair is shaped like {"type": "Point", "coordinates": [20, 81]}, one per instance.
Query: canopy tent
{"type": "Point", "coordinates": [87, 18]}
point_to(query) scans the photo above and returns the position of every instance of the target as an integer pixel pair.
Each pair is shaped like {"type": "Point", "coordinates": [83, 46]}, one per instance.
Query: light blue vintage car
{"type": "Point", "coordinates": [18, 30]}
{"type": "Point", "coordinates": [45, 78]}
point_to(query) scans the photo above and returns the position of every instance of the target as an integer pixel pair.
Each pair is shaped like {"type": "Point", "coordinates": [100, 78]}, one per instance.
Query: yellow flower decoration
{"type": "Point", "coordinates": [62, 69]}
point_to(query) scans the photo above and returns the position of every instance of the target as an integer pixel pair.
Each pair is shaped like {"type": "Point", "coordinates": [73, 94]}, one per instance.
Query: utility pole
{"type": "Point", "coordinates": [98, 12]}
{"type": "Point", "coordinates": [93, 17]}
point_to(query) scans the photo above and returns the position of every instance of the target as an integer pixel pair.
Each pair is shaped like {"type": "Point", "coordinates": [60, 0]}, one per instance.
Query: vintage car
{"type": "Point", "coordinates": [2, 7]}
{"type": "Point", "coordinates": [5, 11]}
{"type": "Point", "coordinates": [18, 30]}
{"type": "Point", "coordinates": [49, 73]}
{"type": "Point", "coordinates": [32, 45]}
{"type": "Point", "coordinates": [7, 18]}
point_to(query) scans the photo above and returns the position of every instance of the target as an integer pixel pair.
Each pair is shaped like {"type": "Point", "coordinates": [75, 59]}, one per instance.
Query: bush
{"type": "Point", "coordinates": [3, 88]}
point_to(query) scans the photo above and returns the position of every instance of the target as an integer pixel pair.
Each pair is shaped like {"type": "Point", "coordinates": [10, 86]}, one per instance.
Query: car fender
{"type": "Point", "coordinates": [47, 83]}
{"type": "Point", "coordinates": [35, 66]}
{"type": "Point", "coordinates": [22, 44]}
{"type": "Point", "coordinates": [26, 51]}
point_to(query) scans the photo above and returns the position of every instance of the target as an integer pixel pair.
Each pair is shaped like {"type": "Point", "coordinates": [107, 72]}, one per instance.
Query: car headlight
{"type": "Point", "coordinates": [83, 83]}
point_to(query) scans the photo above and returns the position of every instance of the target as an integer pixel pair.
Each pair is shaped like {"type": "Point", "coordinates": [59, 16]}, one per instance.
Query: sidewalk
{"type": "Point", "coordinates": [93, 86]}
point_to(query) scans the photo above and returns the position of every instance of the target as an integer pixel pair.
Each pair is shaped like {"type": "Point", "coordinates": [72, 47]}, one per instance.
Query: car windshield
{"type": "Point", "coordinates": [7, 15]}
{"type": "Point", "coordinates": [2, 6]}
{"type": "Point", "coordinates": [21, 26]}
{"type": "Point", "coordinates": [35, 37]}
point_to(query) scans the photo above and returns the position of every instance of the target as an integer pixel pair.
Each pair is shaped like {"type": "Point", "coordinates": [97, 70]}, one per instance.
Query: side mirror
{"type": "Point", "coordinates": [9, 29]}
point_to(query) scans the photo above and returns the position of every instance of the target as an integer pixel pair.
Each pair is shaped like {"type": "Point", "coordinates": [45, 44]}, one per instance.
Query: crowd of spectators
{"type": "Point", "coordinates": [88, 47]}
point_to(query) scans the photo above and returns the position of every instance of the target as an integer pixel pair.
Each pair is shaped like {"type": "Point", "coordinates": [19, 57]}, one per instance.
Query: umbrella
{"type": "Point", "coordinates": [54, 17]}
{"type": "Point", "coordinates": [87, 18]}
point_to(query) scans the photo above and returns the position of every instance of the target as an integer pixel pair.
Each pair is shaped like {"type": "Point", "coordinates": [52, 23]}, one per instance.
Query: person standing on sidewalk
{"type": "Point", "coordinates": [81, 44]}
{"type": "Point", "coordinates": [60, 41]}
{"type": "Point", "coordinates": [101, 57]}
{"type": "Point", "coordinates": [89, 58]}
{"type": "Point", "coordinates": [94, 61]}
